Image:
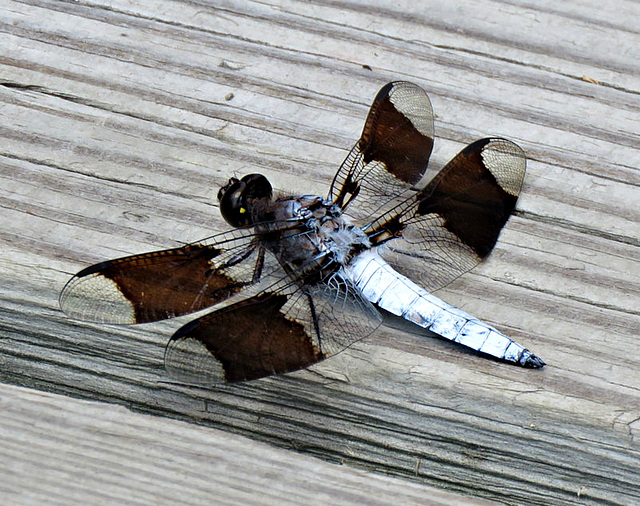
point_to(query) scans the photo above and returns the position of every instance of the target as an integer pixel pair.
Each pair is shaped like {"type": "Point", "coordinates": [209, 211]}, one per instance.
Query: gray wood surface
{"type": "Point", "coordinates": [95, 453]}
{"type": "Point", "coordinates": [120, 120]}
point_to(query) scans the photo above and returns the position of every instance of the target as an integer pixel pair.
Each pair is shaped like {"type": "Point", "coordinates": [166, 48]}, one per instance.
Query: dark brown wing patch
{"type": "Point", "coordinates": [476, 192]}
{"type": "Point", "coordinates": [399, 131]}
{"type": "Point", "coordinates": [248, 340]}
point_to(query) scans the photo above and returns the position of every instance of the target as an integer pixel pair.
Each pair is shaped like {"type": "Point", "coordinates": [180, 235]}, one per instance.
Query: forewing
{"type": "Point", "coordinates": [455, 221]}
{"type": "Point", "coordinates": [281, 329]}
{"type": "Point", "coordinates": [163, 284]}
{"type": "Point", "coordinates": [391, 155]}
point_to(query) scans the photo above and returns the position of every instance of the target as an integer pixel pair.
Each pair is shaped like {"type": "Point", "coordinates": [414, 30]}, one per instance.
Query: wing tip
{"type": "Point", "coordinates": [92, 297]}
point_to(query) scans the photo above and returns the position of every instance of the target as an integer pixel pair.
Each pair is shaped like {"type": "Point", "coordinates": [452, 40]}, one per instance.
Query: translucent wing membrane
{"type": "Point", "coordinates": [163, 284]}
{"type": "Point", "coordinates": [391, 155]}
{"type": "Point", "coordinates": [454, 222]}
{"type": "Point", "coordinates": [283, 328]}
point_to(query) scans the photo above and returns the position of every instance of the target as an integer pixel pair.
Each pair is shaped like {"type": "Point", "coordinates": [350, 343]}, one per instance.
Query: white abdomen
{"type": "Point", "coordinates": [392, 291]}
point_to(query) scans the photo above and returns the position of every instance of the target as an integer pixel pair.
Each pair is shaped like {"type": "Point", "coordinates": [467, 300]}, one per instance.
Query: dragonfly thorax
{"type": "Point", "coordinates": [331, 231]}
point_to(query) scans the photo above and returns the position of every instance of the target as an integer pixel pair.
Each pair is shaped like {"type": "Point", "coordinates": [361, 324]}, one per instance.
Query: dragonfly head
{"type": "Point", "coordinates": [239, 195]}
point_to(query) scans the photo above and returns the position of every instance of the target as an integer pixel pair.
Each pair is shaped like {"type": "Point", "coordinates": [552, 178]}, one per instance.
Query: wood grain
{"type": "Point", "coordinates": [120, 120]}
{"type": "Point", "coordinates": [128, 458]}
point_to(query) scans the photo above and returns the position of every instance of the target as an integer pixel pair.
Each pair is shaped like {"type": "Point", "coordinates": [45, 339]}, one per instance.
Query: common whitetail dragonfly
{"type": "Point", "coordinates": [312, 271]}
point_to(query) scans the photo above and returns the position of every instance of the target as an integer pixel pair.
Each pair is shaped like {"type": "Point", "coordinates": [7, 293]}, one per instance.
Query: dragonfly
{"type": "Point", "coordinates": [300, 278]}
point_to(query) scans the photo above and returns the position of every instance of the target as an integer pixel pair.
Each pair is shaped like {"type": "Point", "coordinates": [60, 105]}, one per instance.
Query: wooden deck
{"type": "Point", "coordinates": [121, 119]}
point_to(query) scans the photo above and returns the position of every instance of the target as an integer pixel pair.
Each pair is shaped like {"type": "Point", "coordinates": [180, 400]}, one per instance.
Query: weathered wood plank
{"type": "Point", "coordinates": [92, 453]}
{"type": "Point", "coordinates": [118, 128]}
